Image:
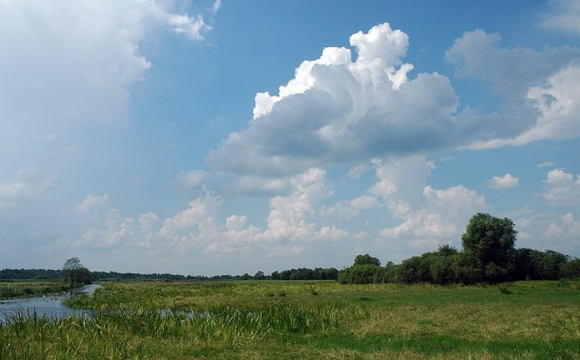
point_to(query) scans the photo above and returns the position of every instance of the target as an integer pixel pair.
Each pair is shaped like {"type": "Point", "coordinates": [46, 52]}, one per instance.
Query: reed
{"type": "Point", "coordinates": [20, 289]}
{"type": "Point", "coordinates": [249, 320]}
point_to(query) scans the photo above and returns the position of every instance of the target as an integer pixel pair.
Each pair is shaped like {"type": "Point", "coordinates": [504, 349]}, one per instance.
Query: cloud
{"type": "Point", "coordinates": [184, 24]}
{"type": "Point", "coordinates": [118, 231]}
{"type": "Point", "coordinates": [502, 182]}
{"type": "Point", "coordinates": [336, 110]}
{"type": "Point", "coordinates": [562, 188]}
{"type": "Point", "coordinates": [441, 219]}
{"type": "Point", "coordinates": [538, 88]}
{"type": "Point", "coordinates": [291, 215]}
{"type": "Point", "coordinates": [545, 164]}
{"type": "Point", "coordinates": [192, 179]}
{"type": "Point", "coordinates": [400, 182]}
{"type": "Point", "coordinates": [564, 233]}
{"type": "Point", "coordinates": [558, 103]}
{"type": "Point", "coordinates": [512, 71]}
{"type": "Point", "coordinates": [71, 61]}
{"type": "Point", "coordinates": [198, 211]}
{"type": "Point", "coordinates": [348, 209]}
{"type": "Point", "coordinates": [565, 16]}
{"type": "Point", "coordinates": [28, 184]}
{"type": "Point", "coordinates": [148, 220]}
{"type": "Point", "coordinates": [90, 202]}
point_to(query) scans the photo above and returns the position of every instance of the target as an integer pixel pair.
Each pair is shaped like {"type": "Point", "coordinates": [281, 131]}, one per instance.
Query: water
{"type": "Point", "coordinates": [50, 306]}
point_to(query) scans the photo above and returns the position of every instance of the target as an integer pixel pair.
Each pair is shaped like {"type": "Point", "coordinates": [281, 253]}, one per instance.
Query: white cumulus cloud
{"type": "Point", "coordinates": [441, 219]}
{"type": "Point", "coordinates": [565, 16]}
{"type": "Point", "coordinates": [563, 189]}
{"type": "Point", "coordinates": [28, 184]}
{"type": "Point", "coordinates": [90, 202]}
{"type": "Point", "coordinates": [502, 182]}
{"type": "Point", "coordinates": [192, 179]}
{"type": "Point", "coordinates": [336, 110]}
{"type": "Point", "coordinates": [538, 87]}
{"type": "Point", "coordinates": [70, 61]}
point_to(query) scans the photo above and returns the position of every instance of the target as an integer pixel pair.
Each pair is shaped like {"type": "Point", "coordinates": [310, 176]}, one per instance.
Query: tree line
{"type": "Point", "coordinates": [488, 255]}
{"type": "Point", "coordinates": [295, 274]}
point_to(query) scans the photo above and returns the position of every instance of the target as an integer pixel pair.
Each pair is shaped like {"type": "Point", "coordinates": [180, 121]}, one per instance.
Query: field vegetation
{"type": "Point", "coordinates": [307, 320]}
{"type": "Point", "coordinates": [22, 289]}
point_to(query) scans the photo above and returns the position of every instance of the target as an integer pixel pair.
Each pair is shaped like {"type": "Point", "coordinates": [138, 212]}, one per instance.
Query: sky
{"type": "Point", "coordinates": [235, 136]}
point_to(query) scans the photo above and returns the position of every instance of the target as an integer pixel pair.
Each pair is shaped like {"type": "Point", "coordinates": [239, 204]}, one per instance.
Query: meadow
{"type": "Point", "coordinates": [21, 289]}
{"type": "Point", "coordinates": [306, 320]}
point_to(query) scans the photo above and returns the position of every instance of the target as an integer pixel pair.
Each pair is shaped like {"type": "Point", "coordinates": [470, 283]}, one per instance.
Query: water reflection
{"type": "Point", "coordinates": [50, 306]}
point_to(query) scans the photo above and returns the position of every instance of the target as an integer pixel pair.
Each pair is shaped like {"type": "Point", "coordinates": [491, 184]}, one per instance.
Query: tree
{"type": "Point", "coordinates": [446, 250]}
{"type": "Point", "coordinates": [72, 270]}
{"type": "Point", "coordinates": [488, 244]}
{"type": "Point", "coordinates": [358, 274]}
{"type": "Point", "coordinates": [416, 269]}
{"type": "Point", "coordinates": [366, 260]}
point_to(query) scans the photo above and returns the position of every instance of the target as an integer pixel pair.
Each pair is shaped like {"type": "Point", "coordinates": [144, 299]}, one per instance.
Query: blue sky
{"type": "Point", "coordinates": [214, 137]}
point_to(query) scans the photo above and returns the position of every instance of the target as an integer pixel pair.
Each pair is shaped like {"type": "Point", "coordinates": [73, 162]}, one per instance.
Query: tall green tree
{"type": "Point", "coordinates": [72, 271]}
{"type": "Point", "coordinates": [488, 246]}
{"type": "Point", "coordinates": [366, 260]}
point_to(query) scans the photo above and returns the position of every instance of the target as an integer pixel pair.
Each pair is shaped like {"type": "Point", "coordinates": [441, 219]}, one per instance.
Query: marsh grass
{"type": "Point", "coordinates": [20, 289]}
{"type": "Point", "coordinates": [250, 320]}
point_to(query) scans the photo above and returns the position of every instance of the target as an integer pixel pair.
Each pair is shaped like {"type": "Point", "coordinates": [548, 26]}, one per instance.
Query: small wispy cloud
{"type": "Point", "coordinates": [90, 202]}
{"type": "Point", "coordinates": [503, 182]}
{"type": "Point", "coordinates": [545, 164]}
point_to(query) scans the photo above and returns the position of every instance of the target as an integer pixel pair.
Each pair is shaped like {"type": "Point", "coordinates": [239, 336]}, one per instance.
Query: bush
{"type": "Point", "coordinates": [570, 269]}
{"type": "Point", "coordinates": [359, 274]}
{"type": "Point", "coordinates": [417, 269]}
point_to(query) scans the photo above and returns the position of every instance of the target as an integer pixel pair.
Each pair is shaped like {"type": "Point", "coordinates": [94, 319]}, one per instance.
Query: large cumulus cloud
{"type": "Point", "coordinates": [336, 110]}
{"type": "Point", "coordinates": [339, 110]}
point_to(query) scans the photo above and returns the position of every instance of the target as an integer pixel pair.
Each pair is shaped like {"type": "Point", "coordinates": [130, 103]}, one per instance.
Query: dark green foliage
{"type": "Point", "coordinates": [570, 269]}
{"type": "Point", "coordinates": [446, 250]}
{"type": "Point", "coordinates": [73, 271]}
{"type": "Point", "coordinates": [528, 263]}
{"type": "Point", "coordinates": [548, 265]}
{"type": "Point", "coordinates": [27, 274]}
{"type": "Point", "coordinates": [366, 270]}
{"type": "Point", "coordinates": [488, 243]}
{"type": "Point", "coordinates": [366, 260]}
{"type": "Point", "coordinates": [442, 270]}
{"type": "Point", "coordinates": [416, 269]}
{"type": "Point", "coordinates": [359, 274]}
{"type": "Point", "coordinates": [488, 255]}
{"type": "Point", "coordinates": [551, 263]}
{"type": "Point", "coordinates": [306, 274]}
{"type": "Point", "coordinates": [303, 274]}
{"type": "Point", "coordinates": [466, 271]}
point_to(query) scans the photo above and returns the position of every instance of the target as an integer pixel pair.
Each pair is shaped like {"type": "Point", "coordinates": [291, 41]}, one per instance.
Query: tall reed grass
{"type": "Point", "coordinates": [253, 320]}
{"type": "Point", "coordinates": [122, 334]}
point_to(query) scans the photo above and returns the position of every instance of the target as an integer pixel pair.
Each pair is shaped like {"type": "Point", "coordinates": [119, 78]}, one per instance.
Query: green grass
{"type": "Point", "coordinates": [307, 320]}
{"type": "Point", "coordinates": [20, 289]}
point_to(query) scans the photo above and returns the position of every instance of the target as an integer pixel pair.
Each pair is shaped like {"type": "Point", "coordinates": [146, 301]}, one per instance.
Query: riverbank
{"type": "Point", "coordinates": [28, 289]}
{"type": "Point", "coordinates": [300, 320]}
{"type": "Point", "coordinates": [49, 305]}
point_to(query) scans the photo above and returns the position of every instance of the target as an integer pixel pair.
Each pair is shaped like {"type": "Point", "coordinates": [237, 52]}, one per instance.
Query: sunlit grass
{"type": "Point", "coordinates": [19, 289]}
{"type": "Point", "coordinates": [307, 320]}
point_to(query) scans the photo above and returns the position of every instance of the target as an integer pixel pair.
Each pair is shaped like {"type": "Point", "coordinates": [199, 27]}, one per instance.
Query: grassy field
{"type": "Point", "coordinates": [307, 320]}
{"type": "Point", "coordinates": [20, 289]}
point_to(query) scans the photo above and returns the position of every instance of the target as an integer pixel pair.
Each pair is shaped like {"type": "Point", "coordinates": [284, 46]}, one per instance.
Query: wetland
{"type": "Point", "coordinates": [305, 319]}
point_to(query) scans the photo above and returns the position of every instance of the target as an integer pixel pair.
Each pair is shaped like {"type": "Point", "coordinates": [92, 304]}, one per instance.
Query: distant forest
{"type": "Point", "coordinates": [47, 274]}
{"type": "Point", "coordinates": [489, 255]}
{"type": "Point", "coordinates": [294, 274]}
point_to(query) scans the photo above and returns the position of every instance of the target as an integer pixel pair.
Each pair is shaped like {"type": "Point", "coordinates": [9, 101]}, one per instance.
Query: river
{"type": "Point", "coordinates": [50, 306]}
